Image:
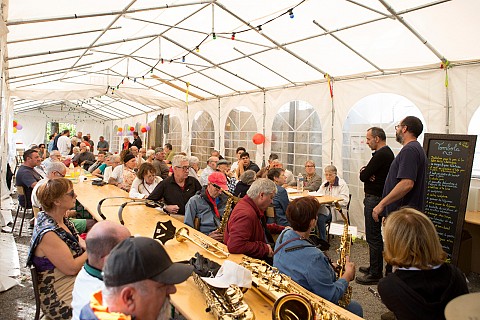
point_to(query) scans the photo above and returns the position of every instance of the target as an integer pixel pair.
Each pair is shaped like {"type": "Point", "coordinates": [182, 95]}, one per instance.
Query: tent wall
{"type": "Point", "coordinates": [426, 90]}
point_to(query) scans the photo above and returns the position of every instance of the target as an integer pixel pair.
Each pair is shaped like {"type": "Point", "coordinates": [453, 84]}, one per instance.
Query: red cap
{"type": "Point", "coordinates": [219, 179]}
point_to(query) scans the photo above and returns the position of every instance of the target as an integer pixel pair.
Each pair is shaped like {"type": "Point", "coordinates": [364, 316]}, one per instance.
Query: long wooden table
{"type": "Point", "coordinates": [142, 220]}
{"type": "Point", "coordinates": [472, 225]}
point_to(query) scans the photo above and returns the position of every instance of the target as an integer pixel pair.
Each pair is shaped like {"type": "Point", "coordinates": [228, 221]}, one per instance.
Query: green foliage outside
{"type": "Point", "coordinates": [62, 126]}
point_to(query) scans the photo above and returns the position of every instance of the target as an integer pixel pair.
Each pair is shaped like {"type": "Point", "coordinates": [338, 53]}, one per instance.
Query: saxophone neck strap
{"type": "Point", "coordinates": [285, 243]}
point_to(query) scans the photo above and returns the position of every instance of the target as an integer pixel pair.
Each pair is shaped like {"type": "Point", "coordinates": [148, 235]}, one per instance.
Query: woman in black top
{"type": "Point", "coordinates": [422, 282]}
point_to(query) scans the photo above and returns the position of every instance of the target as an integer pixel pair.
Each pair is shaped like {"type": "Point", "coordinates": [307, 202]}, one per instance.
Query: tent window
{"type": "Point", "coordinates": [474, 128]}
{"type": "Point", "coordinates": [239, 130]}
{"type": "Point", "coordinates": [203, 136]}
{"type": "Point", "coordinates": [174, 136]}
{"type": "Point", "coordinates": [114, 145]}
{"type": "Point", "coordinates": [297, 136]}
{"type": "Point", "coordinates": [382, 110]}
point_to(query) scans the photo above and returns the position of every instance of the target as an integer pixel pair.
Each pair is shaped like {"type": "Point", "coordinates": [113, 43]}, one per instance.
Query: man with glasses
{"type": "Point", "coordinates": [177, 189]}
{"type": "Point", "coordinates": [405, 183]}
{"type": "Point", "coordinates": [55, 156]}
{"type": "Point", "coordinates": [59, 170]}
{"type": "Point", "coordinates": [312, 180]}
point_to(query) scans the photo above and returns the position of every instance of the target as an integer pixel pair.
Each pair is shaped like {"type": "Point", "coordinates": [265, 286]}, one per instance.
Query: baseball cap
{"type": "Point", "coordinates": [223, 161]}
{"type": "Point", "coordinates": [141, 258]}
{"type": "Point", "coordinates": [219, 179]}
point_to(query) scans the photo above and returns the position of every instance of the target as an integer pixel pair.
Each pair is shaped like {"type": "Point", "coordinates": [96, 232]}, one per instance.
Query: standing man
{"type": "Point", "coordinates": [373, 176]}
{"type": "Point", "coordinates": [90, 142]}
{"type": "Point", "coordinates": [405, 183]}
{"type": "Point", "coordinates": [64, 144]}
{"type": "Point", "coordinates": [102, 144]}
{"type": "Point", "coordinates": [137, 142]}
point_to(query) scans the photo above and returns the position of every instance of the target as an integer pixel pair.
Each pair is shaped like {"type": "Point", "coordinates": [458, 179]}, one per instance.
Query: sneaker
{"type": "Point", "coordinates": [365, 270]}
{"type": "Point", "coordinates": [368, 279]}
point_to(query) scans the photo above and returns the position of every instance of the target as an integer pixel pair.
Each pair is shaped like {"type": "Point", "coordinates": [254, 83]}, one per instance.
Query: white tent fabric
{"type": "Point", "coordinates": [113, 63]}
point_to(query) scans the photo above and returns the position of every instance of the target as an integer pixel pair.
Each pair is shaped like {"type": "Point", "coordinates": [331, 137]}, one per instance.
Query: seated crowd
{"type": "Point", "coordinates": [261, 222]}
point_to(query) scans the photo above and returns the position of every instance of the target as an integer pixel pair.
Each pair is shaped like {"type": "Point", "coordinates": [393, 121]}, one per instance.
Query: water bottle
{"type": "Point", "coordinates": [300, 183]}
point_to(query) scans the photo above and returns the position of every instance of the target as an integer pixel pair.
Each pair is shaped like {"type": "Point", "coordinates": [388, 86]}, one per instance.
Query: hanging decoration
{"type": "Point", "coordinates": [131, 129]}
{"type": "Point", "coordinates": [330, 84]}
{"type": "Point", "coordinates": [258, 138]}
{"type": "Point", "coordinates": [445, 65]}
{"type": "Point", "coordinates": [16, 126]}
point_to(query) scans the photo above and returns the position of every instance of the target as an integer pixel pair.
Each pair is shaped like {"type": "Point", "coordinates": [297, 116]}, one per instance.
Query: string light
{"type": "Point", "coordinates": [233, 35]}
{"type": "Point", "coordinates": [183, 59]}
{"type": "Point", "coordinates": [197, 49]}
{"type": "Point", "coordinates": [290, 13]}
{"type": "Point", "coordinates": [259, 27]}
{"type": "Point", "coordinates": [161, 60]}
{"type": "Point", "coordinates": [214, 36]}
{"type": "Point", "coordinates": [151, 70]}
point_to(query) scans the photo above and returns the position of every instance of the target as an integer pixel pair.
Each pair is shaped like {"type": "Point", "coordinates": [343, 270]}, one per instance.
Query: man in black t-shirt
{"type": "Point", "coordinates": [373, 176]}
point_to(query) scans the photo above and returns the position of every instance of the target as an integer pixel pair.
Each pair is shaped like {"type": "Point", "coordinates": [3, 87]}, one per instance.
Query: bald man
{"type": "Point", "coordinates": [100, 241]}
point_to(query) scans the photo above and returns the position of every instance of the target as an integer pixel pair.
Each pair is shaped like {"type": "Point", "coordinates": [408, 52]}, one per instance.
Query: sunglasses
{"type": "Point", "coordinates": [71, 193]}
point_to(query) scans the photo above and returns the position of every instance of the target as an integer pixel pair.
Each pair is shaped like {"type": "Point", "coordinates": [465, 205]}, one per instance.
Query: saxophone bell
{"type": "Point", "coordinates": [293, 307]}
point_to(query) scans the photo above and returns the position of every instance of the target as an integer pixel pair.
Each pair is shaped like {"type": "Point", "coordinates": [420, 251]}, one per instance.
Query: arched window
{"type": "Point", "coordinates": [239, 130]}
{"type": "Point", "coordinates": [297, 136]}
{"type": "Point", "coordinates": [174, 136]}
{"type": "Point", "coordinates": [474, 128]}
{"type": "Point", "coordinates": [384, 110]}
{"type": "Point", "coordinates": [203, 136]}
{"type": "Point", "coordinates": [114, 145]}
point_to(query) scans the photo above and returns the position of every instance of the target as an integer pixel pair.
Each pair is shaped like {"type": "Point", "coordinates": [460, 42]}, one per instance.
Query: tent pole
{"type": "Point", "coordinates": [220, 136]}
{"type": "Point", "coordinates": [42, 62]}
{"type": "Point", "coordinates": [59, 35]}
{"type": "Point", "coordinates": [263, 129]}
{"type": "Point", "coordinates": [100, 14]}
{"type": "Point", "coordinates": [211, 78]}
{"type": "Point", "coordinates": [447, 103]}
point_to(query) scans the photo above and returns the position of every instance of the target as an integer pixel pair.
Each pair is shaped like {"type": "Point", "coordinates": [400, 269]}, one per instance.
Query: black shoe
{"type": "Point", "coordinates": [365, 270]}
{"type": "Point", "coordinates": [388, 316]}
{"type": "Point", "coordinates": [368, 279]}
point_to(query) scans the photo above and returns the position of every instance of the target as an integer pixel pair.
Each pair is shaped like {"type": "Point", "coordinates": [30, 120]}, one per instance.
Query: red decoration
{"type": "Point", "coordinates": [143, 130]}
{"type": "Point", "coordinates": [258, 138]}
{"type": "Point", "coordinates": [132, 129]}
{"type": "Point", "coordinates": [15, 123]}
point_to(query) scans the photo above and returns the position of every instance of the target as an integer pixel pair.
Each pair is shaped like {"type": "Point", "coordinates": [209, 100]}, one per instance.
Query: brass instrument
{"type": "Point", "coordinates": [292, 301]}
{"type": "Point", "coordinates": [225, 303]}
{"type": "Point", "coordinates": [182, 235]}
{"type": "Point", "coordinates": [228, 210]}
{"type": "Point", "coordinates": [344, 250]}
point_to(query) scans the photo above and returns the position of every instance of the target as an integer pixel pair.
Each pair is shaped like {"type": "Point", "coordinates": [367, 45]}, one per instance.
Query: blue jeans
{"type": "Point", "coordinates": [355, 308]}
{"type": "Point", "coordinates": [373, 231]}
{"type": "Point", "coordinates": [322, 220]}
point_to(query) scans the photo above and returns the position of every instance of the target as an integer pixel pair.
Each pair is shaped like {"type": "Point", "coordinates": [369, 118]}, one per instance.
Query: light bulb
{"type": "Point", "coordinates": [290, 13]}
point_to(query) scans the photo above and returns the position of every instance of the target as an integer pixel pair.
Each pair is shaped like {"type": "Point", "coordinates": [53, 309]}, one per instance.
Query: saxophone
{"type": "Point", "coordinates": [225, 304]}
{"type": "Point", "coordinates": [292, 301]}
{"type": "Point", "coordinates": [344, 250]}
{"type": "Point", "coordinates": [232, 200]}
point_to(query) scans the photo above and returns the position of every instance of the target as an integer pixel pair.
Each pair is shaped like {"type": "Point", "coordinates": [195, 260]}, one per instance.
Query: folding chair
{"type": "Point", "coordinates": [26, 192]}
{"type": "Point", "coordinates": [33, 271]}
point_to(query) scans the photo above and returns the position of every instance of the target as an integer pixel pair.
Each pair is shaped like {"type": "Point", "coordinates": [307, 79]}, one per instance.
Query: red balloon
{"type": "Point", "coordinates": [14, 123]}
{"type": "Point", "coordinates": [132, 129]}
{"type": "Point", "coordinates": [144, 130]}
{"type": "Point", "coordinates": [258, 138]}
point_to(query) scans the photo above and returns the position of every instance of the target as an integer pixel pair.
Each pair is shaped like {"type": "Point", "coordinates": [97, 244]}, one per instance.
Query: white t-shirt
{"type": "Point", "coordinates": [63, 145]}
{"type": "Point", "coordinates": [117, 174]}
{"type": "Point", "coordinates": [107, 173]}
{"type": "Point", "coordinates": [140, 189]}
{"type": "Point", "coordinates": [85, 285]}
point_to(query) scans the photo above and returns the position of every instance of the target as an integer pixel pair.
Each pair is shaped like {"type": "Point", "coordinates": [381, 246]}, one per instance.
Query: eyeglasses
{"type": "Point", "coordinates": [185, 168]}
{"type": "Point", "coordinates": [71, 193]}
{"type": "Point", "coordinates": [309, 166]}
{"type": "Point", "coordinates": [399, 126]}
{"type": "Point", "coordinates": [59, 173]}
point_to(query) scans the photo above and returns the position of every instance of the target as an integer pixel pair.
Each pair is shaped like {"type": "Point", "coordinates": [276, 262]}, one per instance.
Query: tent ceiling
{"type": "Point", "coordinates": [74, 53]}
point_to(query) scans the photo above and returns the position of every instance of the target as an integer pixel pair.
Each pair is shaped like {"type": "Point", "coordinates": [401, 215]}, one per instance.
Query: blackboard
{"type": "Point", "coordinates": [449, 169]}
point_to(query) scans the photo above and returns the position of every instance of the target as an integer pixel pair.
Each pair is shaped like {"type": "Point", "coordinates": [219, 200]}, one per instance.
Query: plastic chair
{"type": "Point", "coordinates": [22, 191]}
{"type": "Point", "coordinates": [33, 271]}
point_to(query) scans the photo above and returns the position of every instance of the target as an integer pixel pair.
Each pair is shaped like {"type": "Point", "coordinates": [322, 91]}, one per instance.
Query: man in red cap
{"type": "Point", "coordinates": [204, 211]}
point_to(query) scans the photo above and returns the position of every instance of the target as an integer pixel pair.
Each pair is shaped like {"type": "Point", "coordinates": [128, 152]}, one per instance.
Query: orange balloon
{"type": "Point", "coordinates": [258, 138]}
{"type": "Point", "coordinates": [120, 129]}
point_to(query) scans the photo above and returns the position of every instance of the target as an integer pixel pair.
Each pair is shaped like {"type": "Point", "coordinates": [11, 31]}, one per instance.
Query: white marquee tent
{"type": "Point", "coordinates": [354, 63]}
